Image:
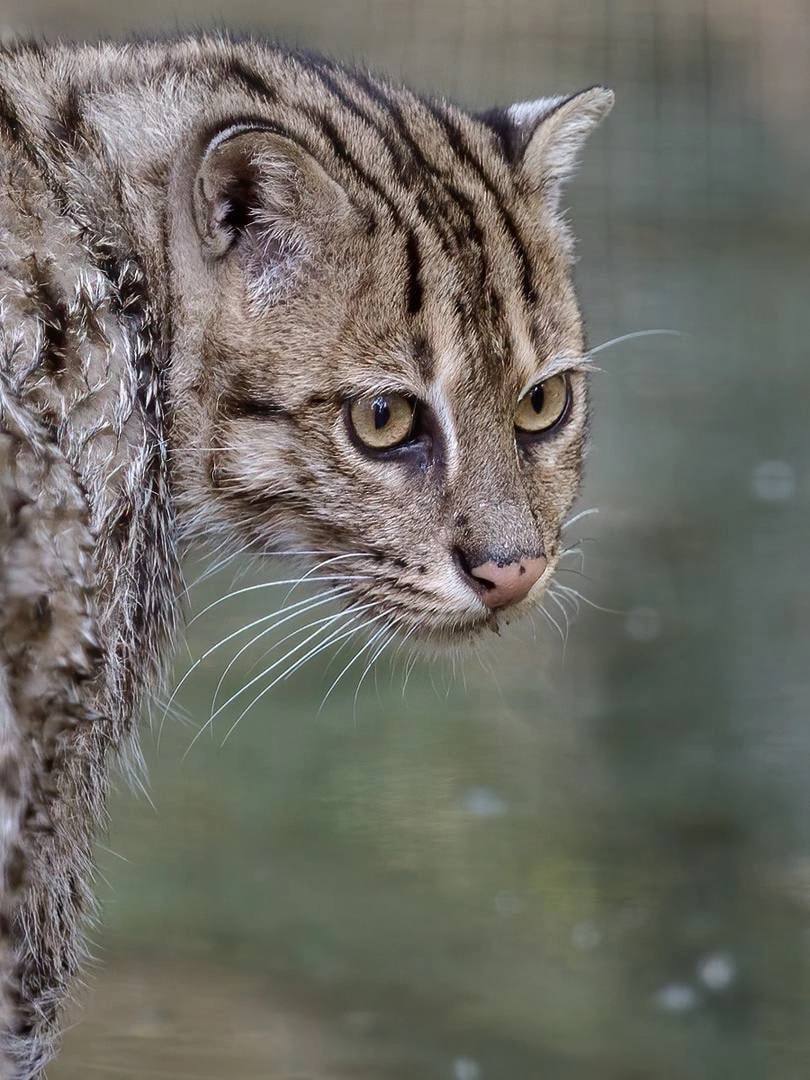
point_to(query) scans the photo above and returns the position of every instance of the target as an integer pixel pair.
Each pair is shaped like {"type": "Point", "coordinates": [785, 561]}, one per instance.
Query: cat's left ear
{"type": "Point", "coordinates": [543, 138]}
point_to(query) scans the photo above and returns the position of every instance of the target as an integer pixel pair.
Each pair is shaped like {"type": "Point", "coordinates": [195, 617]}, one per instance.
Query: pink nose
{"type": "Point", "coordinates": [507, 583]}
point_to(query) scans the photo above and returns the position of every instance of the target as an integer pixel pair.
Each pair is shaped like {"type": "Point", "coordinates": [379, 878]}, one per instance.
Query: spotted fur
{"type": "Point", "coordinates": [208, 248]}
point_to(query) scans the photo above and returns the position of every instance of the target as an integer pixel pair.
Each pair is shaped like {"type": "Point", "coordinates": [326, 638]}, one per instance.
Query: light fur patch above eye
{"type": "Point", "coordinates": [559, 365]}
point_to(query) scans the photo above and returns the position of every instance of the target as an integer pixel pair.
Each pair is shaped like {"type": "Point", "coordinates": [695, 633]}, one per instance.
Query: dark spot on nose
{"type": "Point", "coordinates": [501, 581]}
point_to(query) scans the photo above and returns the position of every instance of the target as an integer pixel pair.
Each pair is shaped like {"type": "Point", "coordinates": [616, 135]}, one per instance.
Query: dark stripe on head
{"type": "Point", "coordinates": [241, 399]}
{"type": "Point", "coordinates": [425, 360]}
{"type": "Point", "coordinates": [9, 120]}
{"type": "Point", "coordinates": [414, 288]}
{"type": "Point", "coordinates": [448, 239]}
{"type": "Point", "coordinates": [457, 141]}
{"type": "Point", "coordinates": [235, 70]}
{"type": "Point", "coordinates": [474, 232]}
{"type": "Point", "coordinates": [68, 120]}
{"type": "Point", "coordinates": [343, 154]}
{"type": "Point", "coordinates": [408, 159]}
{"type": "Point", "coordinates": [237, 407]}
{"type": "Point", "coordinates": [454, 239]}
{"type": "Point", "coordinates": [402, 164]}
{"type": "Point", "coordinates": [439, 184]}
{"type": "Point", "coordinates": [508, 139]}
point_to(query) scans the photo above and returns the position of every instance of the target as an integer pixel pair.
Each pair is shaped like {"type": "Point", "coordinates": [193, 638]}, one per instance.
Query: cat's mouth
{"type": "Point", "coordinates": [455, 630]}
{"type": "Point", "coordinates": [458, 608]}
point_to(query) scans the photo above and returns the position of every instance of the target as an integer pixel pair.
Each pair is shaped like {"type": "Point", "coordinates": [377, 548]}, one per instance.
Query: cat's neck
{"type": "Point", "coordinates": [85, 348]}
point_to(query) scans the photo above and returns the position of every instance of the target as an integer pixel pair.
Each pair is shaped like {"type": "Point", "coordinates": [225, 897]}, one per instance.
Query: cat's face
{"type": "Point", "coordinates": [392, 369]}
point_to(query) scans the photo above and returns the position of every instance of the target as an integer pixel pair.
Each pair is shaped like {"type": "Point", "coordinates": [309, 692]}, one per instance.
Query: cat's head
{"type": "Point", "coordinates": [384, 354]}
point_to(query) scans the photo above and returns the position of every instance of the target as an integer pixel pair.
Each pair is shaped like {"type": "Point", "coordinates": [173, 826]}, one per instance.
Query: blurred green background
{"type": "Point", "coordinates": [597, 865]}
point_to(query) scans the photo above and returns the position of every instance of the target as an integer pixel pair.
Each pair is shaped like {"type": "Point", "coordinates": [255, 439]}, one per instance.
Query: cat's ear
{"type": "Point", "coordinates": [260, 195]}
{"type": "Point", "coordinates": [543, 138]}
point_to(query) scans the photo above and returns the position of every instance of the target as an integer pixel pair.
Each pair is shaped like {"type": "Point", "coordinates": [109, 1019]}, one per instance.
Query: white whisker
{"type": "Point", "coordinates": [409, 668]}
{"type": "Point", "coordinates": [562, 598]}
{"type": "Point", "coordinates": [285, 674]}
{"type": "Point", "coordinates": [224, 641]}
{"type": "Point", "coordinates": [274, 665]}
{"type": "Point", "coordinates": [320, 565]}
{"type": "Point", "coordinates": [578, 517]}
{"type": "Point", "coordinates": [273, 584]}
{"type": "Point", "coordinates": [343, 633]}
{"type": "Point", "coordinates": [318, 601]}
{"type": "Point", "coordinates": [631, 337]}
{"type": "Point", "coordinates": [564, 611]}
{"type": "Point", "coordinates": [590, 603]}
{"type": "Point", "coordinates": [374, 658]}
{"type": "Point", "coordinates": [554, 623]}
{"type": "Point", "coordinates": [374, 637]}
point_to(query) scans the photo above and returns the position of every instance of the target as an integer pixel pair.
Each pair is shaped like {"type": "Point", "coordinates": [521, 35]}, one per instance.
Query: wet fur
{"type": "Point", "coordinates": [207, 247]}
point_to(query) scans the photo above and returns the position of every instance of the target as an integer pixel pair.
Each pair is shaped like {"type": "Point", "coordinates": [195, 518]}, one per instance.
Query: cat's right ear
{"type": "Point", "coordinates": [542, 139]}
{"type": "Point", "coordinates": [261, 196]}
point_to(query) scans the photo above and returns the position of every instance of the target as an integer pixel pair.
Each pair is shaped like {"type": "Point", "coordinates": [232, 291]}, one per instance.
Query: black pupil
{"type": "Point", "coordinates": [538, 397]}
{"type": "Point", "coordinates": [381, 411]}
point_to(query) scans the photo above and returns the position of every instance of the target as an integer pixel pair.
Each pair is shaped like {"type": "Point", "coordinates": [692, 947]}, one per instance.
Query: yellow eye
{"type": "Point", "coordinates": [382, 421]}
{"type": "Point", "coordinates": [541, 407]}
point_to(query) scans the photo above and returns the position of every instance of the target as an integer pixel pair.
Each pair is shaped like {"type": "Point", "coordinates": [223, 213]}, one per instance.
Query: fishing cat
{"type": "Point", "coordinates": [252, 295]}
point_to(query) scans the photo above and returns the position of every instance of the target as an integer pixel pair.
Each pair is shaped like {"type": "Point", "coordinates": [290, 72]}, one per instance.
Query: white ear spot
{"type": "Point", "coordinates": [525, 114]}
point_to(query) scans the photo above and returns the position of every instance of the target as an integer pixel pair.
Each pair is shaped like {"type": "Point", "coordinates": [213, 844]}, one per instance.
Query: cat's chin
{"type": "Point", "coordinates": [455, 634]}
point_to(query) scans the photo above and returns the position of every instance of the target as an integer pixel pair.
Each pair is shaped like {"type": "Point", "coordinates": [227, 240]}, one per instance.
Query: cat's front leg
{"type": "Point", "coordinates": [48, 660]}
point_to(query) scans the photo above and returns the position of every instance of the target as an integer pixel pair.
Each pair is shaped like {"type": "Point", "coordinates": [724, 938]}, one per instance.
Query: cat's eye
{"type": "Point", "coordinates": [543, 406]}
{"type": "Point", "coordinates": [382, 421]}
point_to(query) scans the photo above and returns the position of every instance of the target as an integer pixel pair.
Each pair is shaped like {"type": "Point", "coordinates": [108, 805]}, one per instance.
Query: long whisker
{"type": "Point", "coordinates": [554, 623]}
{"type": "Point", "coordinates": [371, 662]}
{"type": "Point", "coordinates": [631, 337]}
{"type": "Point", "coordinates": [399, 647]}
{"type": "Point", "coordinates": [562, 598]}
{"type": "Point", "coordinates": [211, 569]}
{"type": "Point", "coordinates": [288, 672]}
{"type": "Point", "coordinates": [341, 633]}
{"type": "Point", "coordinates": [578, 517]}
{"type": "Point", "coordinates": [578, 573]}
{"type": "Point", "coordinates": [374, 637]}
{"type": "Point", "coordinates": [320, 565]}
{"type": "Point", "coordinates": [590, 603]}
{"type": "Point", "coordinates": [572, 551]}
{"type": "Point", "coordinates": [210, 721]}
{"type": "Point", "coordinates": [273, 584]}
{"type": "Point", "coordinates": [319, 601]}
{"type": "Point", "coordinates": [200, 449]}
{"type": "Point", "coordinates": [553, 596]}
{"type": "Point", "coordinates": [224, 641]}
{"type": "Point", "coordinates": [277, 663]}
{"type": "Point", "coordinates": [409, 668]}
{"type": "Point", "coordinates": [324, 623]}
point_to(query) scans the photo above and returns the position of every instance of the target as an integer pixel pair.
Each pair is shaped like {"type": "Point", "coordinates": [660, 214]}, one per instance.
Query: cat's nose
{"type": "Point", "coordinates": [504, 583]}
